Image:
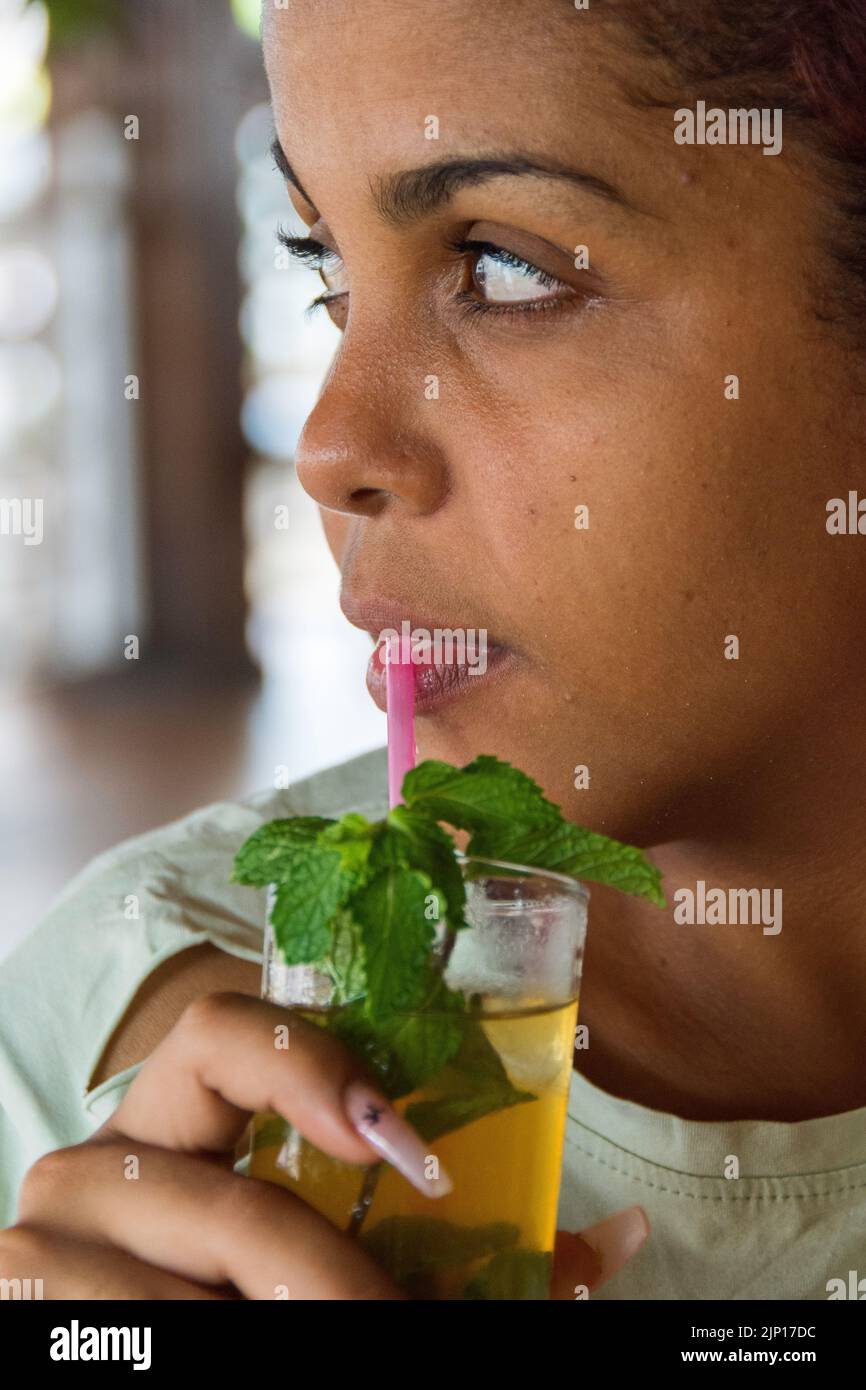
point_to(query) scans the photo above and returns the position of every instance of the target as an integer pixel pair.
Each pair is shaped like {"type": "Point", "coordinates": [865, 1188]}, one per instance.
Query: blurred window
{"type": "Point", "coordinates": [314, 708]}
{"type": "Point", "coordinates": [70, 582]}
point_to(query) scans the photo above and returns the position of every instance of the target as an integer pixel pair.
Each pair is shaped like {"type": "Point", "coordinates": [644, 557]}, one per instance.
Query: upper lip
{"type": "Point", "coordinates": [375, 614]}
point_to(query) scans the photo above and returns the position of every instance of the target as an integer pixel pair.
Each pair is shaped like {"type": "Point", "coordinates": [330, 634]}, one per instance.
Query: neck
{"type": "Point", "coordinates": [737, 1016]}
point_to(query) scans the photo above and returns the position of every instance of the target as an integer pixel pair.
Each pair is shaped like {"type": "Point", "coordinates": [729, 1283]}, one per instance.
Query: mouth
{"type": "Point", "coordinates": [449, 661]}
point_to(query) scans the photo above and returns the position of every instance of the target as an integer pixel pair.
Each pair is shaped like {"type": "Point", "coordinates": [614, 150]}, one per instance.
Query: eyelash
{"type": "Point", "coordinates": [470, 304]}
{"type": "Point", "coordinates": [311, 253]}
{"type": "Point", "coordinates": [315, 255]}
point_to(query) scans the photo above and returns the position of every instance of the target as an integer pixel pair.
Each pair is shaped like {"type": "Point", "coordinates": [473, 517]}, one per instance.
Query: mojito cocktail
{"type": "Point", "coordinates": [493, 1115]}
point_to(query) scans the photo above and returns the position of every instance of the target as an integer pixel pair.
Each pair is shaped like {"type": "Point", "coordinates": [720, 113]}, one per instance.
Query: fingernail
{"type": "Point", "coordinates": [394, 1140]}
{"type": "Point", "coordinates": [617, 1238]}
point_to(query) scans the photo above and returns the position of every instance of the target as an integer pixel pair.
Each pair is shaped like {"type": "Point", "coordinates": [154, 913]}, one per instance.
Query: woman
{"type": "Point", "coordinates": [601, 378]}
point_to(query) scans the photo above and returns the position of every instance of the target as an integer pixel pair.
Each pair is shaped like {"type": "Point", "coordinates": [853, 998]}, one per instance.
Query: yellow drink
{"type": "Point", "coordinates": [493, 1235]}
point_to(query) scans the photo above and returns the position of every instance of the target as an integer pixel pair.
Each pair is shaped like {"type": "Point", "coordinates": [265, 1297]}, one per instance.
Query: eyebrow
{"type": "Point", "coordinates": [415, 193]}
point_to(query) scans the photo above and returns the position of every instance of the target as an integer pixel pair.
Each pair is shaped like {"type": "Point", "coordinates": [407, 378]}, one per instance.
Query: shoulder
{"type": "Point", "coordinates": [92, 989]}
{"type": "Point", "coordinates": [360, 784]}
{"type": "Point", "coordinates": [210, 966]}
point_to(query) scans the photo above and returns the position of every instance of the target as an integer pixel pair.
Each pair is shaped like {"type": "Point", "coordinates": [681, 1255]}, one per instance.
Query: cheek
{"type": "Point", "coordinates": [704, 519]}
{"type": "Point", "coordinates": [618, 514]}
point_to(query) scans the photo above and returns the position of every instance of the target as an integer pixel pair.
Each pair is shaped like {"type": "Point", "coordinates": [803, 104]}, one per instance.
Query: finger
{"type": "Point", "coordinates": [77, 1269]}
{"type": "Point", "coordinates": [200, 1223]}
{"type": "Point", "coordinates": [221, 1061]}
{"type": "Point", "coordinates": [588, 1258]}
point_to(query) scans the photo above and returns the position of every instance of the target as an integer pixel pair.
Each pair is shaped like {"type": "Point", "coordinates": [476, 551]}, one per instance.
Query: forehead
{"type": "Point", "coordinates": [450, 34]}
{"type": "Point", "coordinates": [354, 82]}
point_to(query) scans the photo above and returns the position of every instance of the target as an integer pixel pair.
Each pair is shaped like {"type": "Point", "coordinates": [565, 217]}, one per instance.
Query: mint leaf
{"type": "Point", "coordinates": [405, 1246]}
{"type": "Point", "coordinates": [433, 1118]}
{"type": "Point", "coordinates": [353, 1026]}
{"type": "Point", "coordinates": [430, 849]}
{"type": "Point", "coordinates": [306, 902]}
{"type": "Point", "coordinates": [569, 849]}
{"type": "Point", "coordinates": [404, 1051]}
{"type": "Point", "coordinates": [510, 819]}
{"type": "Point", "coordinates": [479, 1059]}
{"type": "Point", "coordinates": [271, 852]}
{"type": "Point", "coordinates": [485, 793]}
{"type": "Point", "coordinates": [271, 1132]}
{"type": "Point", "coordinates": [353, 837]}
{"type": "Point", "coordinates": [344, 961]}
{"type": "Point", "coordinates": [396, 911]}
{"type": "Point", "coordinates": [513, 1274]}
{"type": "Point", "coordinates": [474, 1084]}
{"type": "Point", "coordinates": [391, 850]}
{"type": "Point", "coordinates": [423, 1043]}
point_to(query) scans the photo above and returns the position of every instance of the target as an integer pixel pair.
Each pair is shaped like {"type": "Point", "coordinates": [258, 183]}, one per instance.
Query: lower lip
{"type": "Point", "coordinates": [436, 686]}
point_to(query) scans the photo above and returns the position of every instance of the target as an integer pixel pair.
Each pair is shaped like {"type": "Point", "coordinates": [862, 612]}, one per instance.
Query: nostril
{"type": "Point", "coordinates": [368, 501]}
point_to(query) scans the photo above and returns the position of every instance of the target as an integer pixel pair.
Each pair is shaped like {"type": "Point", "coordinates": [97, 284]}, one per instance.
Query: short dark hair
{"type": "Point", "coordinates": [807, 57]}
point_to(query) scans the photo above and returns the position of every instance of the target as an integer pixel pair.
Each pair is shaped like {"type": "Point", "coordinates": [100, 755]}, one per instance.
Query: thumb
{"type": "Point", "coordinates": [588, 1258]}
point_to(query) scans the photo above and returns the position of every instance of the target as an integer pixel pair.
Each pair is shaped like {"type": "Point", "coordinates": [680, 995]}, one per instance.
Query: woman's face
{"type": "Point", "coordinates": [478, 398]}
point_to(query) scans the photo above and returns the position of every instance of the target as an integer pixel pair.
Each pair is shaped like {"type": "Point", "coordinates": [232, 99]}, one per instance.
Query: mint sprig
{"type": "Point", "coordinates": [306, 902]}
{"type": "Point", "coordinates": [271, 852]}
{"type": "Point", "coordinates": [405, 1050]}
{"type": "Point", "coordinates": [511, 819]}
{"type": "Point", "coordinates": [513, 1274]}
{"type": "Point", "coordinates": [407, 1246]}
{"type": "Point", "coordinates": [487, 794]}
{"type": "Point", "coordinates": [397, 935]}
{"type": "Point", "coordinates": [366, 902]}
{"type": "Point", "coordinates": [472, 1085]}
{"type": "Point", "coordinates": [418, 840]}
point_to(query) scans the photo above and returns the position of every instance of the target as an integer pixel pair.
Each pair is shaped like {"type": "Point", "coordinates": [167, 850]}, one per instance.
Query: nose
{"type": "Point", "coordinates": [370, 442]}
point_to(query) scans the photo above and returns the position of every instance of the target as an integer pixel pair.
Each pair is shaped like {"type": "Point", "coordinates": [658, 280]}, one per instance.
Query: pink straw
{"type": "Point", "coordinates": [400, 691]}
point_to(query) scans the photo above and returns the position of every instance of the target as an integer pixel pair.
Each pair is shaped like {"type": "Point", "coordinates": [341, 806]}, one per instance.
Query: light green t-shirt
{"type": "Point", "coordinates": [794, 1219]}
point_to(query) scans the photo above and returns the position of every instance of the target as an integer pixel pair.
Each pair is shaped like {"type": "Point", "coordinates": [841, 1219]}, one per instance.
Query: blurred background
{"type": "Point", "coordinates": [169, 628]}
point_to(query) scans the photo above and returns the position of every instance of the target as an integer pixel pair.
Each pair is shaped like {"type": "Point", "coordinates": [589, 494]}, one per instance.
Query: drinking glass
{"type": "Point", "coordinates": [504, 1093]}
